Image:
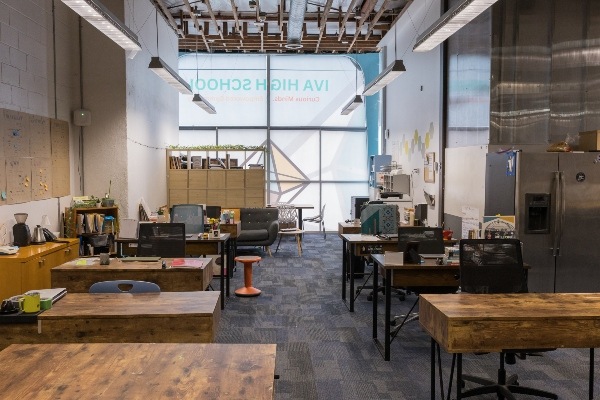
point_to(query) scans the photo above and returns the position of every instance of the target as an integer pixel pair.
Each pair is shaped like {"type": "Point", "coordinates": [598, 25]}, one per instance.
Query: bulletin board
{"type": "Point", "coordinates": [34, 157]}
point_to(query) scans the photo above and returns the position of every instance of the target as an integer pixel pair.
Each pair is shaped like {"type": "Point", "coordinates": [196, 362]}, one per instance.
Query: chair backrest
{"type": "Point", "coordinates": [161, 239]}
{"type": "Point", "coordinates": [491, 266]}
{"type": "Point", "coordinates": [288, 216]}
{"type": "Point", "coordinates": [258, 218]}
{"type": "Point", "coordinates": [192, 215]}
{"type": "Point", "coordinates": [124, 286]}
{"type": "Point", "coordinates": [322, 215]}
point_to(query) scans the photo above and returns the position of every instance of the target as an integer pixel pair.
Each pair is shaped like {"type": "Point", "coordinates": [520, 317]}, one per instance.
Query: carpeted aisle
{"type": "Point", "coordinates": [326, 352]}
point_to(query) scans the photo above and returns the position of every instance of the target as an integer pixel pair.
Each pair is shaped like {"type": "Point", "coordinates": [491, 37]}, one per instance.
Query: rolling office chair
{"type": "Point", "coordinates": [192, 215]}
{"type": "Point", "coordinates": [161, 240]}
{"type": "Point", "coordinates": [496, 266]}
{"type": "Point", "coordinates": [124, 286]}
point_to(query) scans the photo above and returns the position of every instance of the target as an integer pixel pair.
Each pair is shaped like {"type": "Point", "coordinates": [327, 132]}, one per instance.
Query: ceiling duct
{"type": "Point", "coordinates": [295, 24]}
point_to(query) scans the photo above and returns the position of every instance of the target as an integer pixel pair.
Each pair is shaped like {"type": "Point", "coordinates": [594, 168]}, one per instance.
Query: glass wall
{"type": "Point", "coordinates": [292, 106]}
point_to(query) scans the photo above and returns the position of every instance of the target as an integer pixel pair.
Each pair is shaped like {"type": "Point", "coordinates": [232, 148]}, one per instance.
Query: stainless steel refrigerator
{"type": "Point", "coordinates": [556, 200]}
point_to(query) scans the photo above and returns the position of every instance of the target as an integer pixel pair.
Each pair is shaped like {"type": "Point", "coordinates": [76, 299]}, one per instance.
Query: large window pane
{"type": "Point", "coordinates": [336, 197]}
{"type": "Point", "coordinates": [344, 156]}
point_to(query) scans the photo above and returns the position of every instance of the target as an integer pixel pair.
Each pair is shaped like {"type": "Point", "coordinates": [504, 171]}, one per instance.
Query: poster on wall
{"type": "Point", "coordinates": [498, 226]}
{"type": "Point", "coordinates": [41, 178]}
{"type": "Point", "coordinates": [429, 172]}
{"type": "Point", "coordinates": [18, 180]}
{"type": "Point", "coordinates": [39, 128]}
{"type": "Point", "coordinates": [61, 183]}
{"type": "Point", "coordinates": [15, 134]}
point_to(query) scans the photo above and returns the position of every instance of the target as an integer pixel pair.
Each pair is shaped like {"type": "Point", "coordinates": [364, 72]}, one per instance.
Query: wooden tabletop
{"type": "Point", "coordinates": [491, 322]}
{"type": "Point", "coordinates": [165, 317]}
{"type": "Point", "coordinates": [138, 371]}
{"type": "Point", "coordinates": [77, 278]}
{"type": "Point", "coordinates": [150, 305]}
{"type": "Point", "coordinates": [25, 253]}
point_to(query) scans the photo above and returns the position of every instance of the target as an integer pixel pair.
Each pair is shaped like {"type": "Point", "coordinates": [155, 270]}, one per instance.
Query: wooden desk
{"type": "Point", "coordinates": [355, 246]}
{"type": "Point", "coordinates": [78, 278]}
{"type": "Point", "coordinates": [165, 317]}
{"type": "Point", "coordinates": [427, 274]}
{"type": "Point", "coordinates": [464, 322]}
{"type": "Point", "coordinates": [195, 246]}
{"type": "Point", "coordinates": [138, 371]}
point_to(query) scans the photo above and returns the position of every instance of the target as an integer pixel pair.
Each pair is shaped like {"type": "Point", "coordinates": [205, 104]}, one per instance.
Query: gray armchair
{"type": "Point", "coordinates": [259, 227]}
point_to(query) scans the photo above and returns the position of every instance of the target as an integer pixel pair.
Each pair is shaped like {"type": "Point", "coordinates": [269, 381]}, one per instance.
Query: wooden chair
{"type": "Point", "coordinates": [124, 286]}
{"type": "Point", "coordinates": [288, 220]}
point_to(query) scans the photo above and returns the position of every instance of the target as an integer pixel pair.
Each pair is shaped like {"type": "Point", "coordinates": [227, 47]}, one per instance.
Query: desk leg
{"type": "Point", "coordinates": [458, 376]}
{"type": "Point", "coordinates": [222, 278]}
{"type": "Point", "coordinates": [344, 268]}
{"type": "Point", "coordinates": [375, 283]}
{"type": "Point", "coordinates": [388, 309]}
{"type": "Point", "coordinates": [352, 262]}
{"type": "Point", "coordinates": [591, 384]}
{"type": "Point", "coordinates": [432, 365]}
{"type": "Point", "coordinates": [230, 264]}
{"type": "Point", "coordinates": [300, 221]}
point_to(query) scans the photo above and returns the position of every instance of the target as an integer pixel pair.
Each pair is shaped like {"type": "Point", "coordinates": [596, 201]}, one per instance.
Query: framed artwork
{"type": "Point", "coordinates": [428, 168]}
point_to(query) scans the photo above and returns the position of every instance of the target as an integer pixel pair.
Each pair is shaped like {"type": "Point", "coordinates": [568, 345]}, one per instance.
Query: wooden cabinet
{"type": "Point", "coordinates": [189, 180]}
{"type": "Point", "coordinates": [30, 268]}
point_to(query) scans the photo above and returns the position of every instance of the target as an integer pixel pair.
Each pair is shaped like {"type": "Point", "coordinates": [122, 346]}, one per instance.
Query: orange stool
{"type": "Point", "coordinates": [248, 290]}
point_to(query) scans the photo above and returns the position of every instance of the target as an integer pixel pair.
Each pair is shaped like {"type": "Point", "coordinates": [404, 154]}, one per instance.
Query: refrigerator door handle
{"type": "Point", "coordinates": [559, 212]}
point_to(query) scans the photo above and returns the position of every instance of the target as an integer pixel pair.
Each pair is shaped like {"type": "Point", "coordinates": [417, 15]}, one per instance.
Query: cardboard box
{"type": "Point", "coordinates": [589, 141]}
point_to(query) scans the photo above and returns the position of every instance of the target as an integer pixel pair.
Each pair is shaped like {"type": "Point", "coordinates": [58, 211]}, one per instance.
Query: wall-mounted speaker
{"type": "Point", "coordinates": [82, 117]}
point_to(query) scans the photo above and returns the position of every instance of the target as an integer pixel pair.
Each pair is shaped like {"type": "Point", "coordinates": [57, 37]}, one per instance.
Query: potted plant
{"type": "Point", "coordinates": [107, 201]}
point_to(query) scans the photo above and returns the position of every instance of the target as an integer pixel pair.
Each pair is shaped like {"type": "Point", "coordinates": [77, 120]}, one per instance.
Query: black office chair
{"type": "Point", "coordinates": [192, 215]}
{"type": "Point", "coordinates": [124, 286]}
{"type": "Point", "coordinates": [496, 266]}
{"type": "Point", "coordinates": [318, 219]}
{"type": "Point", "coordinates": [161, 239]}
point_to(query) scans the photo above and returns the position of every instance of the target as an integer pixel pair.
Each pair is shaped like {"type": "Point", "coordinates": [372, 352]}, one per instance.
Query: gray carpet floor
{"type": "Point", "coordinates": [326, 352]}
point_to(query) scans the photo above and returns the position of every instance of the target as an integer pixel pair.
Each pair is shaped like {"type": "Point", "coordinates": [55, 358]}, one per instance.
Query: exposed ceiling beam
{"type": "Point", "coordinates": [323, 22]}
{"type": "Point", "coordinates": [213, 17]}
{"type": "Point", "coordinates": [366, 11]}
{"type": "Point", "coordinates": [350, 9]}
{"type": "Point", "coordinates": [376, 17]}
{"type": "Point", "coordinates": [234, 10]}
{"type": "Point", "coordinates": [170, 18]}
{"type": "Point", "coordinates": [196, 23]}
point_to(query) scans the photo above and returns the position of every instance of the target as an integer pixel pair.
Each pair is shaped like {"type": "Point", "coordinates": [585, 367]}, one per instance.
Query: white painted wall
{"type": "Point", "coordinates": [28, 84]}
{"type": "Point", "coordinates": [152, 111]}
{"type": "Point", "coordinates": [412, 102]}
{"type": "Point", "coordinates": [134, 113]}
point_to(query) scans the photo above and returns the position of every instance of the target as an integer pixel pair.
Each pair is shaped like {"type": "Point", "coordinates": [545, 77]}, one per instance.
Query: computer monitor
{"type": "Point", "coordinates": [431, 241]}
{"type": "Point", "coordinates": [213, 211]}
{"type": "Point", "coordinates": [192, 215]}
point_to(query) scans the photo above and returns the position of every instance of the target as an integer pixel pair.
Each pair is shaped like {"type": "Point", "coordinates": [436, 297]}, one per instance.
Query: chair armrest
{"type": "Point", "coordinates": [273, 229]}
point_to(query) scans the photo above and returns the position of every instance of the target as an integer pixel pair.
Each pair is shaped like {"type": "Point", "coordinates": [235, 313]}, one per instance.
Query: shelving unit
{"type": "Point", "coordinates": [215, 176]}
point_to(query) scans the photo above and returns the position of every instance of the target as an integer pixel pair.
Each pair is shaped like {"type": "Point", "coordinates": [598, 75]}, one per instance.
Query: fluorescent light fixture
{"type": "Point", "coordinates": [393, 71]}
{"type": "Point", "coordinates": [452, 20]}
{"type": "Point", "coordinates": [352, 105]}
{"type": "Point", "coordinates": [98, 15]}
{"type": "Point", "coordinates": [161, 69]}
{"type": "Point", "coordinates": [203, 104]}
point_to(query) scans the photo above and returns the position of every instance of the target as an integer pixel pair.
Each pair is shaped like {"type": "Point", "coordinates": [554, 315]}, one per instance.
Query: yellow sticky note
{"type": "Point", "coordinates": [81, 262]}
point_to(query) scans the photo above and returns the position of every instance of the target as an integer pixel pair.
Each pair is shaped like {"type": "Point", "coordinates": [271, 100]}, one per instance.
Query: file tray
{"type": "Point", "coordinates": [19, 318]}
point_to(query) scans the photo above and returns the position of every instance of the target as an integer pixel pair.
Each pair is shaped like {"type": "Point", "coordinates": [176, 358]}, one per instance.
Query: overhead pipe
{"type": "Point", "coordinates": [295, 24]}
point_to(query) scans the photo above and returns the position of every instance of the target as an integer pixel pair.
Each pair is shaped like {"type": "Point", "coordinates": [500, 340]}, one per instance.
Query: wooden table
{"type": "Point", "coordinates": [196, 246]}
{"type": "Point", "coordinates": [427, 274]}
{"type": "Point", "coordinates": [78, 278]}
{"type": "Point", "coordinates": [165, 317]}
{"type": "Point", "coordinates": [465, 323]}
{"type": "Point", "coordinates": [354, 246]}
{"type": "Point", "coordinates": [138, 371]}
